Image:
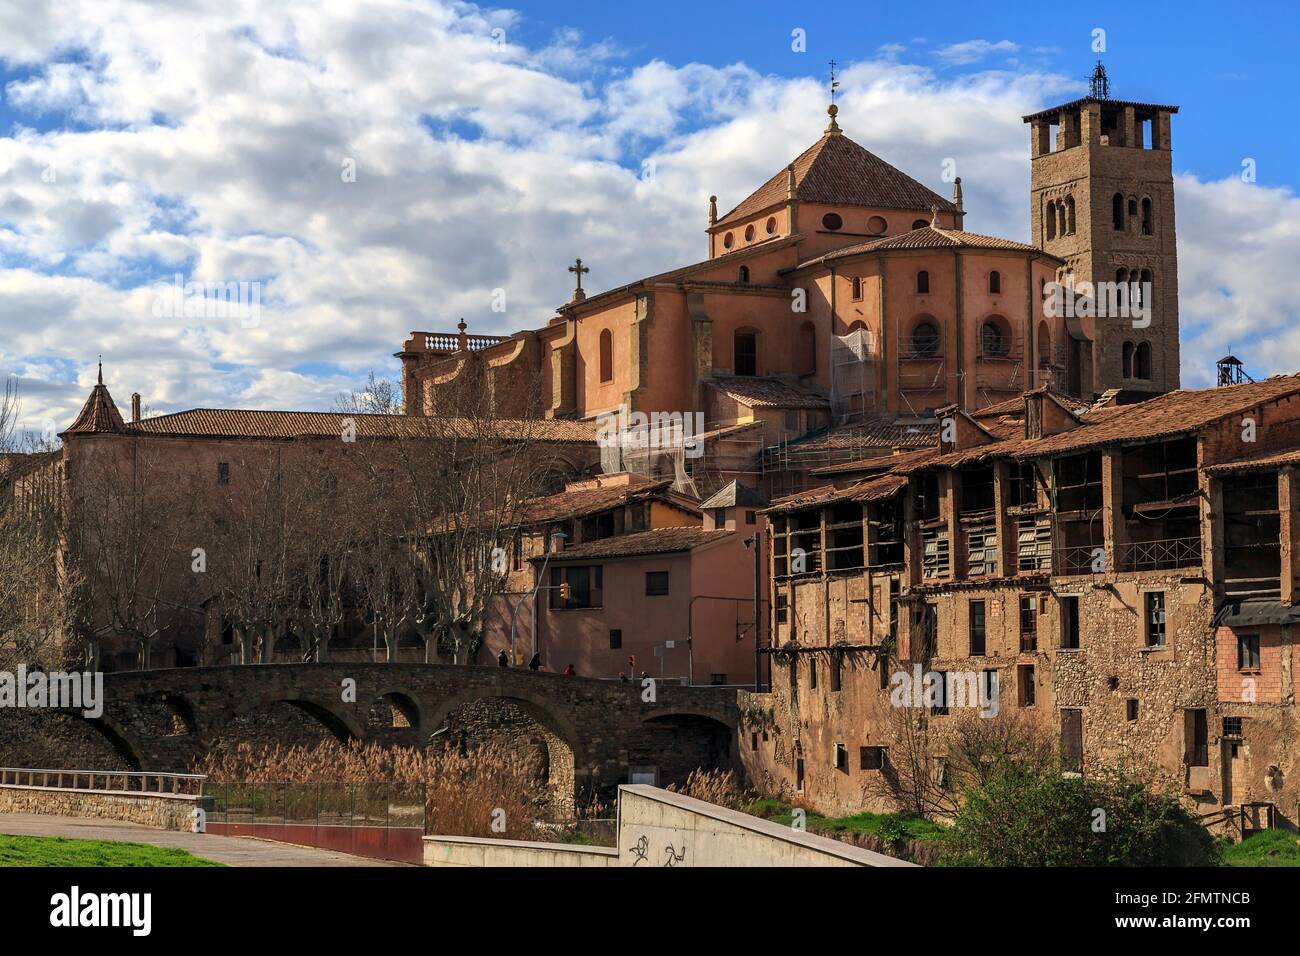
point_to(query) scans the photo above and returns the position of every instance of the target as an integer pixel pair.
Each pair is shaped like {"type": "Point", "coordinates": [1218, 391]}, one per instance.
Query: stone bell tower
{"type": "Point", "coordinates": [1102, 199]}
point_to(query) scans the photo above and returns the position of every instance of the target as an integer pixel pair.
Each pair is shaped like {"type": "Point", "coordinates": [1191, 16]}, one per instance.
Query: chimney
{"type": "Point", "coordinates": [135, 406]}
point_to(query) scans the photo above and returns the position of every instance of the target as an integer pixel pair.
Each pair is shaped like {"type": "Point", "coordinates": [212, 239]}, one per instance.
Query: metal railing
{"type": "Point", "coordinates": [376, 804]}
{"type": "Point", "coordinates": [1076, 559]}
{"type": "Point", "coordinates": [1160, 555]}
{"type": "Point", "coordinates": [105, 781]}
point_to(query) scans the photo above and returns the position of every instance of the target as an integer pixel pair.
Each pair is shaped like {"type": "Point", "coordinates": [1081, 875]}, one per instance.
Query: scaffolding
{"type": "Point", "coordinates": [854, 389]}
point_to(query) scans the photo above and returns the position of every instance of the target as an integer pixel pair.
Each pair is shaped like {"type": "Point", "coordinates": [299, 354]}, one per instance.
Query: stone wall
{"type": "Point", "coordinates": [164, 811]}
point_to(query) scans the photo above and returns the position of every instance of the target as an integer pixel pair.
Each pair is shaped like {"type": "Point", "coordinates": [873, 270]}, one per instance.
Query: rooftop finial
{"type": "Point", "coordinates": [1100, 84]}
{"type": "Point", "coordinates": [833, 110]}
{"type": "Point", "coordinates": [578, 269]}
{"type": "Point", "coordinates": [934, 215]}
{"type": "Point", "coordinates": [101, 370]}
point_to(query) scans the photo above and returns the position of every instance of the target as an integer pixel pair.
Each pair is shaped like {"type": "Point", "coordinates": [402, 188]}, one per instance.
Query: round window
{"type": "Point", "coordinates": [771, 225]}
{"type": "Point", "coordinates": [925, 339]}
{"type": "Point", "coordinates": [832, 221]}
{"type": "Point", "coordinates": [728, 241]}
{"type": "Point", "coordinates": [749, 233]}
{"type": "Point", "coordinates": [877, 226]}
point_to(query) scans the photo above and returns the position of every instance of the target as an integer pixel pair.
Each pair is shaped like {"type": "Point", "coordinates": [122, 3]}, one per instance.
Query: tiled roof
{"type": "Point", "coordinates": [927, 237]}
{"type": "Point", "coordinates": [767, 393]}
{"type": "Point", "coordinates": [1016, 406]}
{"type": "Point", "coordinates": [99, 416]}
{"type": "Point", "coordinates": [876, 463]}
{"type": "Point", "coordinates": [879, 434]}
{"type": "Point", "coordinates": [654, 541]}
{"type": "Point", "coordinates": [567, 505]}
{"type": "Point", "coordinates": [734, 495]}
{"type": "Point", "coordinates": [873, 489]}
{"type": "Point", "coordinates": [257, 424]}
{"type": "Point", "coordinates": [1164, 416]}
{"type": "Point", "coordinates": [838, 172]}
{"type": "Point", "coordinates": [1270, 459]}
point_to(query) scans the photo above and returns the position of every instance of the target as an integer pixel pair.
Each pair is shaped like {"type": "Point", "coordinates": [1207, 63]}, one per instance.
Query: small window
{"type": "Point", "coordinates": [1154, 602]}
{"type": "Point", "coordinates": [922, 282]}
{"type": "Point", "coordinates": [223, 472]}
{"type": "Point", "coordinates": [656, 583]}
{"type": "Point", "coordinates": [995, 283]}
{"type": "Point", "coordinates": [1248, 652]}
{"type": "Point", "coordinates": [1232, 726]}
{"type": "Point", "coordinates": [920, 223]}
{"type": "Point", "coordinates": [1070, 623]}
{"type": "Point", "coordinates": [842, 758]}
{"type": "Point", "coordinates": [832, 221]}
{"type": "Point", "coordinates": [871, 758]}
{"type": "Point", "coordinates": [1028, 623]}
{"type": "Point", "coordinates": [615, 638]}
{"type": "Point", "coordinates": [606, 356]}
{"type": "Point", "coordinates": [1196, 738]}
{"type": "Point", "coordinates": [744, 275]}
{"type": "Point", "coordinates": [877, 226]}
{"type": "Point", "coordinates": [746, 353]}
{"type": "Point", "coordinates": [1146, 217]}
{"type": "Point", "coordinates": [857, 288]}
{"type": "Point", "coordinates": [753, 741]}
{"type": "Point", "coordinates": [751, 517]}
{"type": "Point", "coordinates": [925, 339]}
{"type": "Point", "coordinates": [977, 632]}
{"type": "Point", "coordinates": [771, 225]}
{"type": "Point", "coordinates": [719, 517]}
{"type": "Point", "coordinates": [812, 673]}
{"type": "Point", "coordinates": [728, 241]}
{"type": "Point", "coordinates": [1131, 709]}
{"type": "Point", "coordinates": [782, 607]}
{"type": "Point", "coordinates": [1117, 212]}
{"type": "Point", "coordinates": [1025, 685]}
{"type": "Point", "coordinates": [1142, 362]}
{"type": "Point", "coordinates": [940, 706]}
{"type": "Point", "coordinates": [835, 665]}
{"type": "Point", "coordinates": [717, 680]}
{"type": "Point", "coordinates": [798, 774]}
{"type": "Point", "coordinates": [749, 233]}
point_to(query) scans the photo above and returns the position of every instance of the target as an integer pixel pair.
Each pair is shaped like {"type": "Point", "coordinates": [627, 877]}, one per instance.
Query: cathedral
{"type": "Point", "coordinates": [843, 302]}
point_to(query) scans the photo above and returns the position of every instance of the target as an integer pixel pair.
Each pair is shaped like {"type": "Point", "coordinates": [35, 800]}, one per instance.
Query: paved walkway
{"type": "Point", "coordinates": [232, 851]}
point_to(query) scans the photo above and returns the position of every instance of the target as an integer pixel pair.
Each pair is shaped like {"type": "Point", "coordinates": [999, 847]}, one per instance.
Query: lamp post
{"type": "Point", "coordinates": [558, 538]}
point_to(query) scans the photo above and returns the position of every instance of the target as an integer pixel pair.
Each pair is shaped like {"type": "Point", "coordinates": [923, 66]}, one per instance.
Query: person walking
{"type": "Point", "coordinates": [536, 663]}
{"type": "Point", "coordinates": [503, 659]}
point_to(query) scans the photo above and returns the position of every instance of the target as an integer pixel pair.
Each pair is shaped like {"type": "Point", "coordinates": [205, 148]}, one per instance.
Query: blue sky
{"type": "Point", "coordinates": [492, 145]}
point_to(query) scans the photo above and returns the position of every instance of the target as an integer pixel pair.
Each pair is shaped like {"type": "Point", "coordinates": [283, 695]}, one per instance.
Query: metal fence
{"type": "Point", "coordinates": [1161, 555]}
{"type": "Point", "coordinates": [378, 804]}
{"type": "Point", "coordinates": [105, 781]}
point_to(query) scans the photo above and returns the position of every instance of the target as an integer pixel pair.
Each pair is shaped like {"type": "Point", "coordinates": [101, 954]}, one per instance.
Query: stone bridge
{"type": "Point", "coordinates": [594, 731]}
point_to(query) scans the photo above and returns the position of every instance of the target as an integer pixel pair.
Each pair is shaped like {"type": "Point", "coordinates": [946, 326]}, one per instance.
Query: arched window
{"type": "Point", "coordinates": [920, 223]}
{"type": "Point", "coordinates": [1049, 220]}
{"type": "Point", "coordinates": [606, 356]}
{"type": "Point", "coordinates": [1146, 216]}
{"type": "Point", "coordinates": [857, 326]}
{"type": "Point", "coordinates": [857, 288]}
{"type": "Point", "coordinates": [1069, 214]}
{"type": "Point", "coordinates": [922, 282]}
{"type": "Point", "coordinates": [994, 340]}
{"type": "Point", "coordinates": [807, 349]}
{"type": "Point", "coordinates": [1128, 359]}
{"type": "Point", "coordinates": [745, 353]}
{"type": "Point", "coordinates": [1142, 362]}
{"type": "Point", "coordinates": [1060, 218]}
{"type": "Point", "coordinates": [1044, 345]}
{"type": "Point", "coordinates": [1132, 212]}
{"type": "Point", "coordinates": [995, 283]}
{"type": "Point", "coordinates": [728, 241]}
{"type": "Point", "coordinates": [925, 339]}
{"type": "Point", "coordinates": [1117, 211]}
{"type": "Point", "coordinates": [744, 273]}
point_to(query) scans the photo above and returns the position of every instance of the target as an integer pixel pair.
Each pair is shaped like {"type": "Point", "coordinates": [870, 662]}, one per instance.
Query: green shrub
{"type": "Point", "coordinates": [1025, 815]}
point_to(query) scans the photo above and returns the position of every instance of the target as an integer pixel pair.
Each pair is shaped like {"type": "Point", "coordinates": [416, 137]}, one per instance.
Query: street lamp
{"type": "Point", "coordinates": [557, 540]}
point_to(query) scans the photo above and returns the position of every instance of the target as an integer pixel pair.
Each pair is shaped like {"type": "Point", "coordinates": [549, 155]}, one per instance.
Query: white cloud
{"type": "Point", "coordinates": [213, 143]}
{"type": "Point", "coordinates": [972, 51]}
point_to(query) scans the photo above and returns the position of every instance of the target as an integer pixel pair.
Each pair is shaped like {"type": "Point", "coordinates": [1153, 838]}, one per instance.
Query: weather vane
{"type": "Point", "coordinates": [834, 82]}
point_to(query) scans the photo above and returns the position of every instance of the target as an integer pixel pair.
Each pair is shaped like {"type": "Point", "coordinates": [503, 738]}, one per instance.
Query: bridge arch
{"type": "Point", "coordinates": [116, 737]}
{"type": "Point", "coordinates": [560, 752]}
{"type": "Point", "coordinates": [394, 707]}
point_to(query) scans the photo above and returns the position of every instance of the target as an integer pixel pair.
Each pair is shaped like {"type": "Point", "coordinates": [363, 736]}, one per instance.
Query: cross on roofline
{"type": "Point", "coordinates": [834, 82]}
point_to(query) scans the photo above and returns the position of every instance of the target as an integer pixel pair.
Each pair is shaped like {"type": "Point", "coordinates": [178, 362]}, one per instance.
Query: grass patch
{"type": "Point", "coordinates": [887, 826]}
{"type": "Point", "coordinates": [1266, 848]}
{"type": "Point", "coordinates": [59, 851]}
